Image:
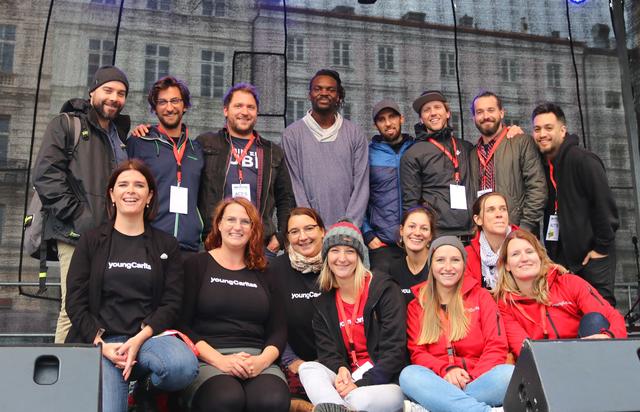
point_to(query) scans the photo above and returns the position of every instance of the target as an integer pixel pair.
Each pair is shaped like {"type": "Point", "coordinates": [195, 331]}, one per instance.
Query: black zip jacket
{"type": "Point", "coordinates": [73, 191]}
{"type": "Point", "coordinates": [385, 321]}
{"type": "Point", "coordinates": [86, 272]}
{"type": "Point", "coordinates": [587, 210]}
{"type": "Point", "coordinates": [274, 184]}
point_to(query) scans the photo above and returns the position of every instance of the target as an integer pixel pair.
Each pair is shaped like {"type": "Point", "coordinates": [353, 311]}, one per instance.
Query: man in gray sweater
{"type": "Point", "coordinates": [327, 155]}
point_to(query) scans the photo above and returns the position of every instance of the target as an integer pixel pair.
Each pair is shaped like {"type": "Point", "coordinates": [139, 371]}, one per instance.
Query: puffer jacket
{"type": "Point", "coordinates": [73, 190]}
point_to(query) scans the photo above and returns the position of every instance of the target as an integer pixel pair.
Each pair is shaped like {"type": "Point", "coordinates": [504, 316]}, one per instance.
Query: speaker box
{"type": "Point", "coordinates": [50, 377]}
{"type": "Point", "coordinates": [576, 375]}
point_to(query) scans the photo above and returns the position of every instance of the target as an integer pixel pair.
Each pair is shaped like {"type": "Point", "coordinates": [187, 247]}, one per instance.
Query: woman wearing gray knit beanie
{"type": "Point", "coordinates": [360, 331]}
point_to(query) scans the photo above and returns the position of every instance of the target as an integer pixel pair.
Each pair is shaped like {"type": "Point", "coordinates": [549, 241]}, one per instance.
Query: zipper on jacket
{"type": "Point", "coordinates": [553, 325]}
{"type": "Point", "coordinates": [595, 296]}
{"type": "Point", "coordinates": [498, 323]}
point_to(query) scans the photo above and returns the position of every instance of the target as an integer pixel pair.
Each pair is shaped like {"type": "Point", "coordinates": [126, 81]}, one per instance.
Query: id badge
{"type": "Point", "coordinates": [359, 373]}
{"type": "Point", "coordinates": [178, 200]}
{"type": "Point", "coordinates": [553, 231]}
{"type": "Point", "coordinates": [458, 196]}
{"type": "Point", "coordinates": [241, 190]}
{"type": "Point", "coordinates": [482, 192]}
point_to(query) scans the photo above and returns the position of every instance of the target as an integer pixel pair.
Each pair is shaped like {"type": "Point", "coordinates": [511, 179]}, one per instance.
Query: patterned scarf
{"type": "Point", "coordinates": [305, 264]}
{"type": "Point", "coordinates": [489, 259]}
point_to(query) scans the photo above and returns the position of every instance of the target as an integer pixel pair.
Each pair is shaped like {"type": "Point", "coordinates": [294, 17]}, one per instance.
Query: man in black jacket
{"type": "Point", "coordinates": [72, 185]}
{"type": "Point", "coordinates": [581, 217]}
{"type": "Point", "coordinates": [239, 162]}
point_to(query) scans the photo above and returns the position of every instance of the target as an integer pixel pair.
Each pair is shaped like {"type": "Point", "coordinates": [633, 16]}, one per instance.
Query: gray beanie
{"type": "Point", "coordinates": [446, 240]}
{"type": "Point", "coordinates": [107, 74]}
{"type": "Point", "coordinates": [345, 233]}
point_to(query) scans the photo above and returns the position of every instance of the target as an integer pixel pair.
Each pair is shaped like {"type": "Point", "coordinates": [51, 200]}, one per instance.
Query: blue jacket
{"type": "Point", "coordinates": [157, 153]}
{"type": "Point", "coordinates": [384, 210]}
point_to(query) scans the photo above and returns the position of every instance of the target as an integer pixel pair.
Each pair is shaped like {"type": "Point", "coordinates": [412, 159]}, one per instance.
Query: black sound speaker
{"type": "Point", "coordinates": [50, 378]}
{"type": "Point", "coordinates": [576, 375]}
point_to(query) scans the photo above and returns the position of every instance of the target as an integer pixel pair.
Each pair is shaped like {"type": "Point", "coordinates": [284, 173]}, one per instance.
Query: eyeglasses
{"type": "Point", "coordinates": [307, 230]}
{"type": "Point", "coordinates": [232, 221]}
{"type": "Point", "coordinates": [174, 101]}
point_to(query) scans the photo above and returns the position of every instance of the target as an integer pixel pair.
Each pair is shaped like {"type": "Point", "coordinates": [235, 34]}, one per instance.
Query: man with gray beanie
{"type": "Point", "coordinates": [80, 149]}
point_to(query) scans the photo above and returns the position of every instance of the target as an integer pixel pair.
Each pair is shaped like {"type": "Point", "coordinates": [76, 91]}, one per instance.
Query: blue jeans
{"type": "Point", "coordinates": [592, 323]}
{"type": "Point", "coordinates": [436, 394]}
{"type": "Point", "coordinates": [167, 359]}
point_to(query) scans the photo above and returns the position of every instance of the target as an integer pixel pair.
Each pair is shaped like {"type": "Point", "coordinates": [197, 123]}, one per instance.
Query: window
{"type": "Point", "coordinates": [156, 63]}
{"type": "Point", "coordinates": [346, 111]}
{"type": "Point", "coordinates": [100, 54]}
{"type": "Point", "coordinates": [454, 122]}
{"type": "Point", "coordinates": [510, 121]}
{"type": "Point", "coordinates": [2, 210]}
{"type": "Point", "coordinates": [341, 53]}
{"type": "Point", "coordinates": [385, 58]}
{"type": "Point", "coordinates": [159, 5]}
{"type": "Point", "coordinates": [215, 8]}
{"type": "Point", "coordinates": [447, 64]}
{"type": "Point", "coordinates": [295, 110]}
{"type": "Point", "coordinates": [7, 46]}
{"type": "Point", "coordinates": [295, 49]}
{"type": "Point", "coordinates": [553, 74]}
{"type": "Point", "coordinates": [104, 1]}
{"type": "Point", "coordinates": [509, 70]}
{"type": "Point", "coordinates": [212, 74]}
{"type": "Point", "coordinates": [4, 138]}
{"type": "Point", "coordinates": [612, 99]}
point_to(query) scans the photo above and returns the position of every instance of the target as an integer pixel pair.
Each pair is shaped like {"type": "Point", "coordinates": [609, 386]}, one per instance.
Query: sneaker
{"type": "Point", "coordinates": [409, 406]}
{"type": "Point", "coordinates": [497, 409]}
{"type": "Point", "coordinates": [330, 407]}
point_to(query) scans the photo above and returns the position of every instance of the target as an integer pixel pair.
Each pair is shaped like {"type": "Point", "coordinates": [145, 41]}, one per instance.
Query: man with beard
{"type": "Point", "coordinates": [175, 161]}
{"type": "Point", "coordinates": [580, 217]}
{"type": "Point", "coordinates": [327, 155]}
{"type": "Point", "coordinates": [239, 162]}
{"type": "Point", "coordinates": [436, 168]}
{"type": "Point", "coordinates": [72, 186]}
{"type": "Point", "coordinates": [384, 212]}
{"type": "Point", "coordinates": [511, 166]}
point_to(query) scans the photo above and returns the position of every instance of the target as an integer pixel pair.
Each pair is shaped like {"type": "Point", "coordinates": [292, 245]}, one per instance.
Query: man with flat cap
{"type": "Point", "coordinates": [72, 183]}
{"type": "Point", "coordinates": [435, 170]}
{"type": "Point", "coordinates": [384, 210]}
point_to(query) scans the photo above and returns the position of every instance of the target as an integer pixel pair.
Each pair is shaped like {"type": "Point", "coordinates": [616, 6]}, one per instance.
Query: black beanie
{"type": "Point", "coordinates": [107, 74]}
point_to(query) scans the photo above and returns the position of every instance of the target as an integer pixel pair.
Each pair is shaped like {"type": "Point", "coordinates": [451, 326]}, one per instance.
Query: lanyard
{"type": "Point", "coordinates": [178, 153]}
{"type": "Point", "coordinates": [242, 155]}
{"type": "Point", "coordinates": [553, 182]}
{"type": "Point", "coordinates": [484, 162]}
{"type": "Point", "coordinates": [348, 326]}
{"type": "Point", "coordinates": [453, 158]}
{"type": "Point", "coordinates": [446, 331]}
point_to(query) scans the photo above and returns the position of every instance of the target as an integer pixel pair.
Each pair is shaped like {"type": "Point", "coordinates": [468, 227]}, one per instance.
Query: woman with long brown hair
{"type": "Point", "coordinates": [233, 314]}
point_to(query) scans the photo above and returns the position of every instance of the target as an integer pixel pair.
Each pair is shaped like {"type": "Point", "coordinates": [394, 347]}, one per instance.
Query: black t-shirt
{"type": "Point", "coordinates": [249, 168]}
{"type": "Point", "coordinates": [232, 307]}
{"type": "Point", "coordinates": [127, 288]}
{"type": "Point", "coordinates": [399, 270]}
{"type": "Point", "coordinates": [297, 291]}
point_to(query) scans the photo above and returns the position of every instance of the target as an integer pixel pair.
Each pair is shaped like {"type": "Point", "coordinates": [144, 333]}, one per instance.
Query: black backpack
{"type": "Point", "coordinates": [34, 221]}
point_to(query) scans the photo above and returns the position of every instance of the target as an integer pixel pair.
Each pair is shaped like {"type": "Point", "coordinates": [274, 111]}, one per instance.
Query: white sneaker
{"type": "Point", "coordinates": [497, 409]}
{"type": "Point", "coordinates": [409, 406]}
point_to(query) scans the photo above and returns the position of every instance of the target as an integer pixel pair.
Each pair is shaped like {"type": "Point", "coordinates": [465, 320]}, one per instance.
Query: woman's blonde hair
{"type": "Point", "coordinates": [327, 280]}
{"type": "Point", "coordinates": [432, 327]}
{"type": "Point", "coordinates": [506, 283]}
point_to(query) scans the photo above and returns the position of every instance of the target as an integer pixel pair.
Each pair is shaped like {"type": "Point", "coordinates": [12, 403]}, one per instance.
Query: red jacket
{"type": "Point", "coordinates": [570, 298]}
{"type": "Point", "coordinates": [484, 347]}
{"type": "Point", "coordinates": [474, 263]}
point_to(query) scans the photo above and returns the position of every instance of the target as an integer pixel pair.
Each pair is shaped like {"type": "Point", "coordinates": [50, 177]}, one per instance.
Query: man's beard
{"type": "Point", "coordinates": [492, 130]}
{"type": "Point", "coordinates": [170, 125]}
{"type": "Point", "coordinates": [102, 113]}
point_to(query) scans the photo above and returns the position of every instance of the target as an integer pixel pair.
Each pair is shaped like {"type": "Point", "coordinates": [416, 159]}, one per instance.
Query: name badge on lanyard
{"type": "Point", "coordinates": [241, 190]}
{"type": "Point", "coordinates": [553, 230]}
{"type": "Point", "coordinates": [179, 200]}
{"type": "Point", "coordinates": [458, 196]}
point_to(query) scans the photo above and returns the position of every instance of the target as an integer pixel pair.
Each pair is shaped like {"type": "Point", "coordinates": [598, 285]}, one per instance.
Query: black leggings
{"type": "Point", "coordinates": [225, 393]}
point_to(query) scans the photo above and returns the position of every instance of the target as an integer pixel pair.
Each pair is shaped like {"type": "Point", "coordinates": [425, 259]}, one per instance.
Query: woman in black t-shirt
{"type": "Point", "coordinates": [233, 314]}
{"type": "Point", "coordinates": [124, 286]}
{"type": "Point", "coordinates": [297, 272]}
{"type": "Point", "coordinates": [417, 229]}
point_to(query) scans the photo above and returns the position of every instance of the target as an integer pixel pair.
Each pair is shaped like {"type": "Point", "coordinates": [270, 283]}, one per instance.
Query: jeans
{"type": "Point", "coordinates": [318, 382]}
{"type": "Point", "coordinates": [437, 395]}
{"type": "Point", "coordinates": [169, 362]}
{"type": "Point", "coordinates": [592, 323]}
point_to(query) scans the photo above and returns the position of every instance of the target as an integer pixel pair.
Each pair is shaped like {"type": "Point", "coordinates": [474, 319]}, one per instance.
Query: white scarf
{"type": "Point", "coordinates": [489, 260]}
{"type": "Point", "coordinates": [323, 135]}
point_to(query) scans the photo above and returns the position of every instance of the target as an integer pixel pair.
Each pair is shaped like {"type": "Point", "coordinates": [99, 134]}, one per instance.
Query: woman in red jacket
{"type": "Point", "coordinates": [539, 300]}
{"type": "Point", "coordinates": [491, 217]}
{"type": "Point", "coordinates": [455, 338]}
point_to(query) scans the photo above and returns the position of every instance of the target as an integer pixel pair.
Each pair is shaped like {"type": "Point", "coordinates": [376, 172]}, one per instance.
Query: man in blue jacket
{"type": "Point", "coordinates": [175, 160]}
{"type": "Point", "coordinates": [384, 211]}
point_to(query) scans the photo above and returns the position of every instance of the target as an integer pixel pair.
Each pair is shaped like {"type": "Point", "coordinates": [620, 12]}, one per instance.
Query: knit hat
{"type": "Point", "coordinates": [345, 233]}
{"type": "Point", "coordinates": [426, 97]}
{"type": "Point", "coordinates": [107, 74]}
{"type": "Point", "coordinates": [384, 104]}
{"type": "Point", "coordinates": [446, 240]}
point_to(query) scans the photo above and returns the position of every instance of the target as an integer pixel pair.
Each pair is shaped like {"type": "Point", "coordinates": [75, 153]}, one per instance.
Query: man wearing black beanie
{"type": "Point", "coordinates": [80, 149]}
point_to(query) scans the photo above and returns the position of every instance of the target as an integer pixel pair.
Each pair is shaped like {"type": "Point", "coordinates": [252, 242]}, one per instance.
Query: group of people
{"type": "Point", "coordinates": [361, 294]}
